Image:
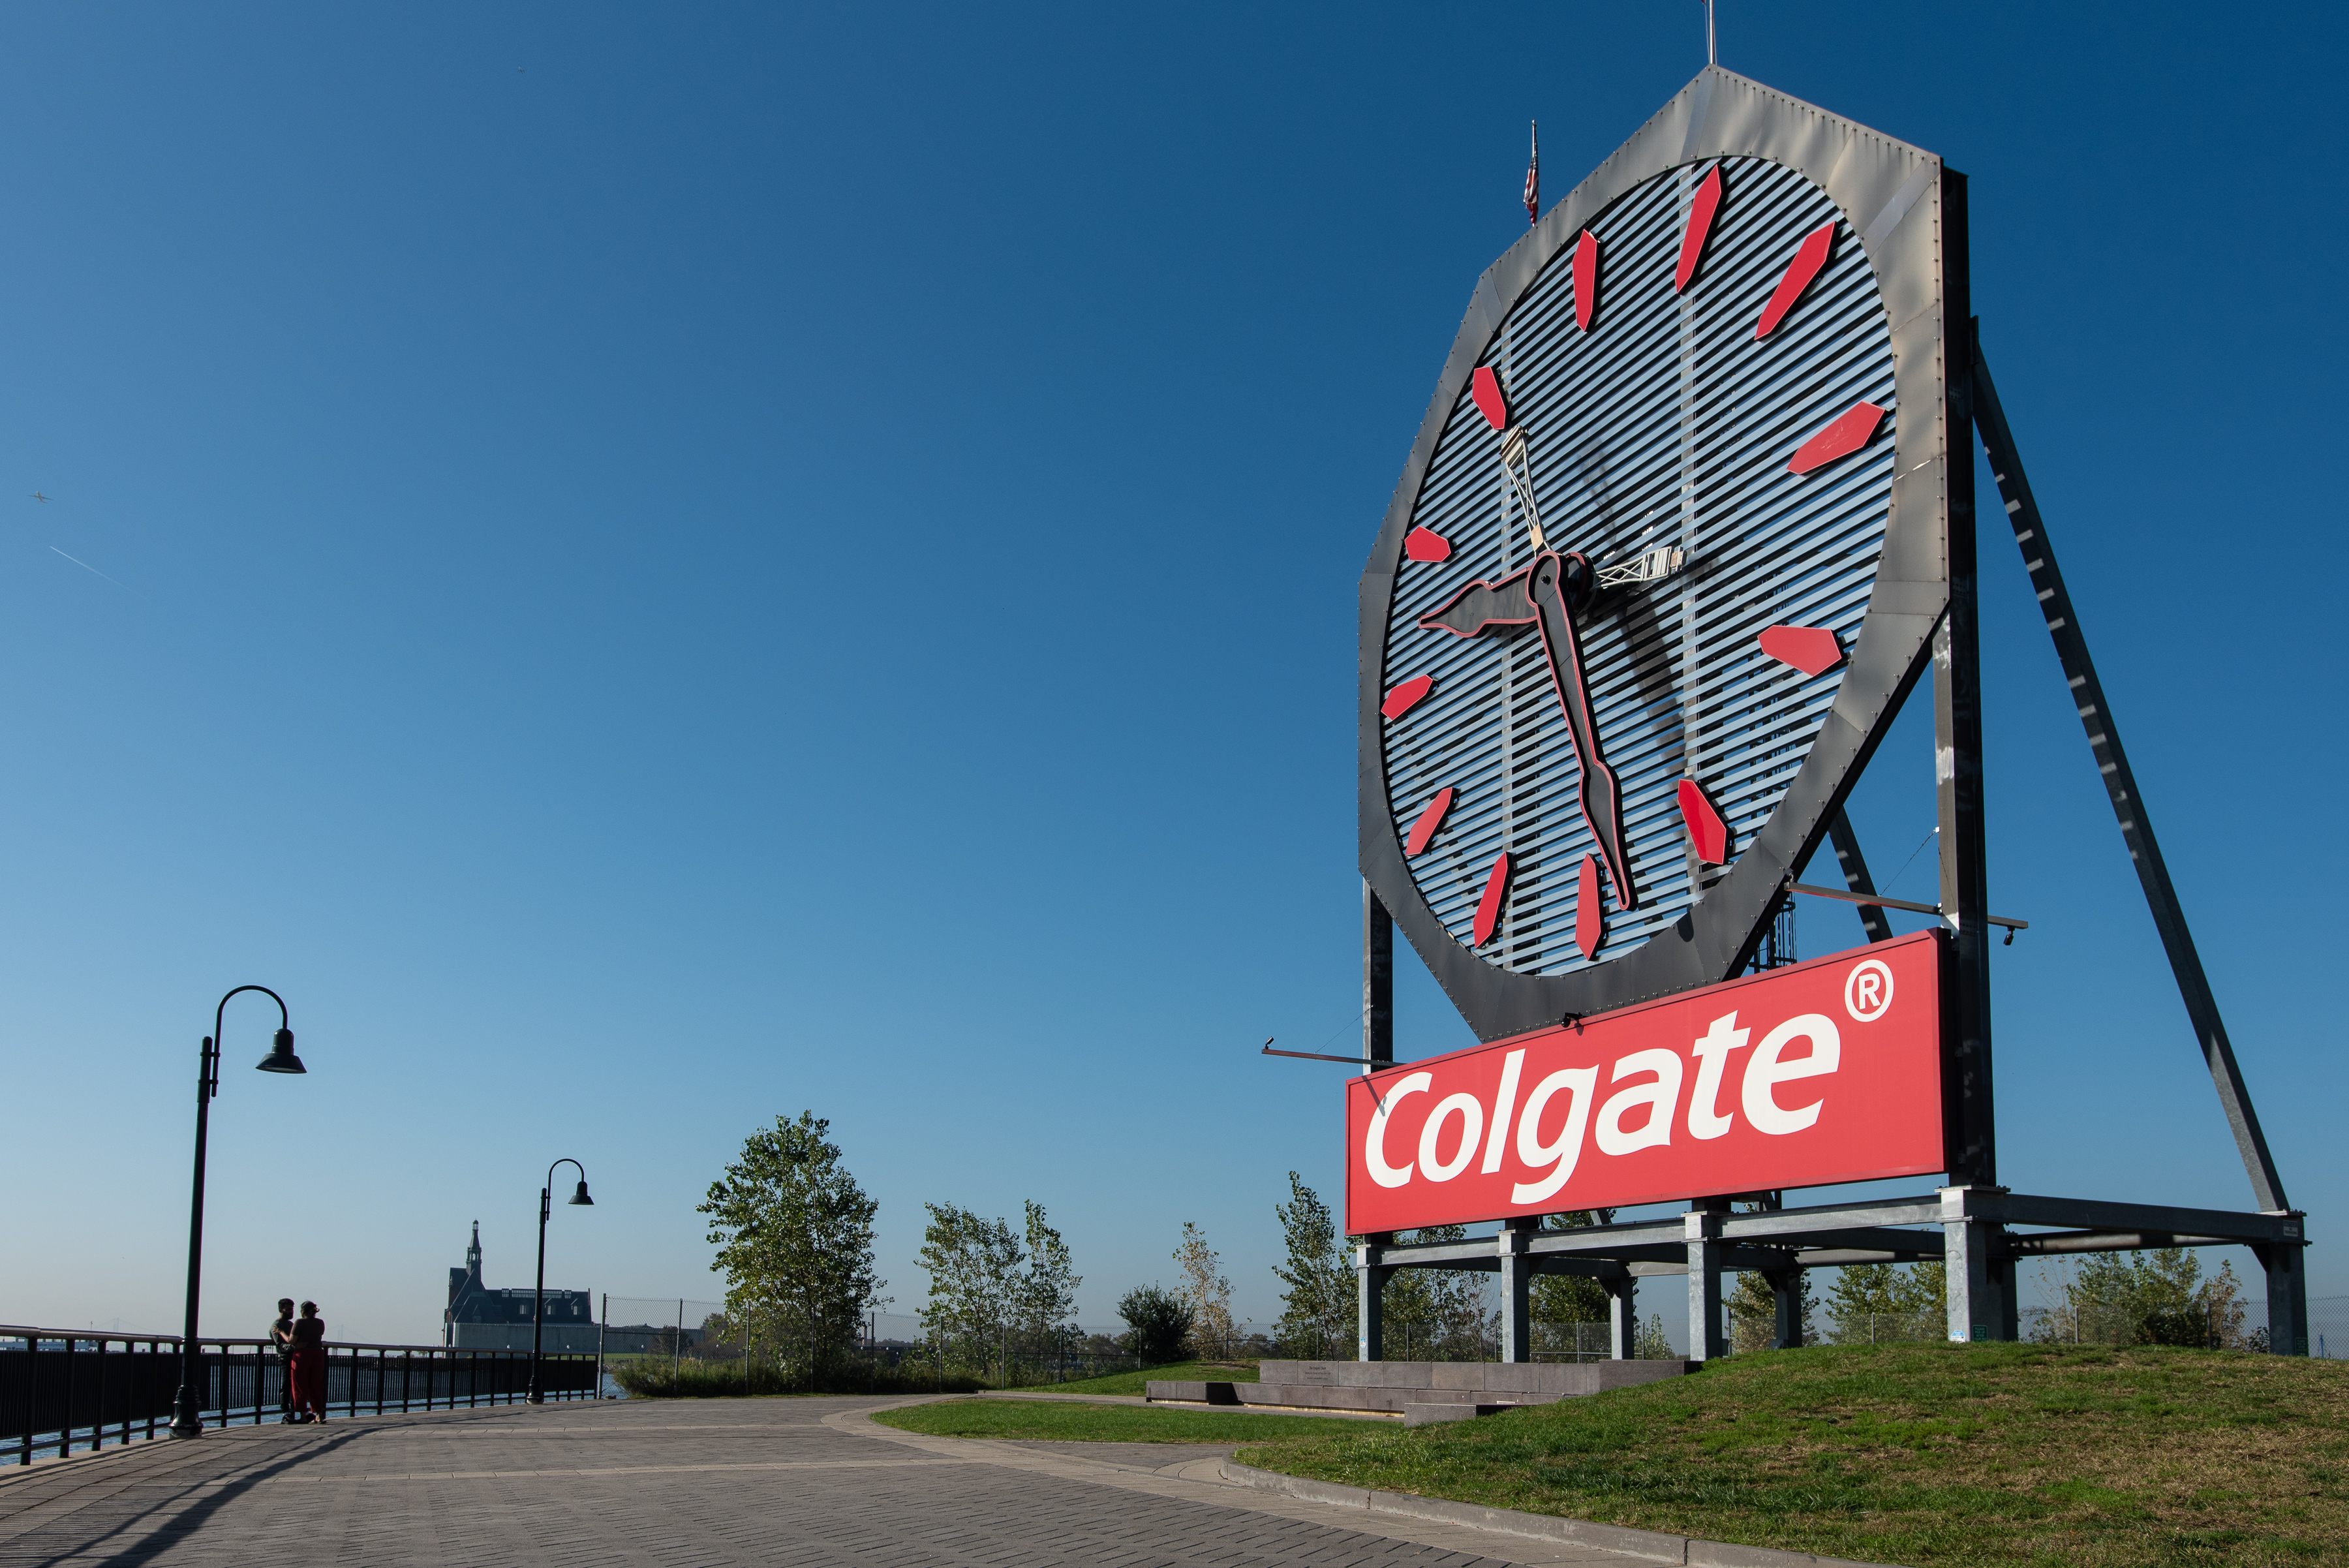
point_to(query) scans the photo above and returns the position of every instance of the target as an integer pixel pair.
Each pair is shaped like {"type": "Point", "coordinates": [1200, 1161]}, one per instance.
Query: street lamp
{"type": "Point", "coordinates": [538, 1294]}
{"type": "Point", "coordinates": [186, 1422]}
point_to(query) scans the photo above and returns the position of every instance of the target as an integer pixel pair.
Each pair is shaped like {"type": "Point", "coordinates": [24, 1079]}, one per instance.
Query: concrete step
{"type": "Point", "coordinates": [1418, 1413]}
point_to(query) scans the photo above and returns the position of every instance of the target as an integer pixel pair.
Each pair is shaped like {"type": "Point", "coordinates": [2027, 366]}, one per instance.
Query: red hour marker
{"type": "Point", "coordinates": [1426, 544]}
{"type": "Point", "coordinates": [1813, 649]}
{"type": "Point", "coordinates": [1589, 919]}
{"type": "Point", "coordinates": [1486, 388]}
{"type": "Point", "coordinates": [1402, 698]}
{"type": "Point", "coordinates": [1809, 256]}
{"type": "Point", "coordinates": [1429, 821]}
{"type": "Point", "coordinates": [1496, 890]}
{"type": "Point", "coordinates": [1701, 208]}
{"type": "Point", "coordinates": [1706, 831]}
{"type": "Point", "coordinates": [1585, 279]}
{"type": "Point", "coordinates": [1847, 434]}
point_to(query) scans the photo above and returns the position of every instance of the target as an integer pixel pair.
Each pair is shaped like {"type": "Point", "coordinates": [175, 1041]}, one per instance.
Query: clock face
{"type": "Point", "coordinates": [1642, 408]}
{"type": "Point", "coordinates": [1628, 583]}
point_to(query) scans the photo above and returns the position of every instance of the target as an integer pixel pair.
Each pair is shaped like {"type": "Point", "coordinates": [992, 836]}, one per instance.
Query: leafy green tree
{"type": "Point", "coordinates": [1048, 1292]}
{"type": "Point", "coordinates": [973, 1264]}
{"type": "Point", "coordinates": [1157, 1321]}
{"type": "Point", "coordinates": [982, 1301]}
{"type": "Point", "coordinates": [794, 1238]}
{"type": "Point", "coordinates": [1879, 1302]}
{"type": "Point", "coordinates": [2110, 1298]}
{"type": "Point", "coordinates": [1317, 1313]}
{"type": "Point", "coordinates": [1438, 1314]}
{"type": "Point", "coordinates": [1571, 1298]}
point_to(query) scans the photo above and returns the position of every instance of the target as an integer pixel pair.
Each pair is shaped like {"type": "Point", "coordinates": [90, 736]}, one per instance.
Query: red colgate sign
{"type": "Point", "coordinates": [1822, 1072]}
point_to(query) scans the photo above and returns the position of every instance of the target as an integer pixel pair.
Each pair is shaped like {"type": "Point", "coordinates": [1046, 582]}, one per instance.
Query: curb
{"type": "Point", "coordinates": [1654, 1545]}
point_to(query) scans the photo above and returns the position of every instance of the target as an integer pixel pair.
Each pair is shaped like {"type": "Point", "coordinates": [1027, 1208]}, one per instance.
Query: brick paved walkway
{"type": "Point", "coordinates": [696, 1485]}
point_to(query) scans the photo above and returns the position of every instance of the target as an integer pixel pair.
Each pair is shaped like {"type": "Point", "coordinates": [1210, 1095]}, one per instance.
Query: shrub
{"type": "Point", "coordinates": [1158, 1322]}
{"type": "Point", "coordinates": [659, 1378]}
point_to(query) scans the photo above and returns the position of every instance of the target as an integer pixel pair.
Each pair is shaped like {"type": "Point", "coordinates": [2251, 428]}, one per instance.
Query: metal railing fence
{"type": "Point", "coordinates": [1571, 1341]}
{"type": "Point", "coordinates": [63, 1389]}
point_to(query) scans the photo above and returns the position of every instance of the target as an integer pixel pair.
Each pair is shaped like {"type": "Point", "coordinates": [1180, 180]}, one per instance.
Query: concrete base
{"type": "Point", "coordinates": [1389, 1387]}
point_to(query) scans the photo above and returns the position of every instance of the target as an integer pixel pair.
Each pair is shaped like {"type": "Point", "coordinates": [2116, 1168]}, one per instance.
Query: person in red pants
{"type": "Point", "coordinates": [307, 1368]}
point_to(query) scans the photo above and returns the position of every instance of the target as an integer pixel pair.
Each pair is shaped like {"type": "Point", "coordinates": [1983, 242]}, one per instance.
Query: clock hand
{"type": "Point", "coordinates": [1554, 596]}
{"type": "Point", "coordinates": [1544, 593]}
{"type": "Point", "coordinates": [1480, 605]}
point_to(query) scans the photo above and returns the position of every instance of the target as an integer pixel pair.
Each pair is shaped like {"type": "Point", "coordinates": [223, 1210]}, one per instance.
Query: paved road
{"type": "Point", "coordinates": [699, 1485]}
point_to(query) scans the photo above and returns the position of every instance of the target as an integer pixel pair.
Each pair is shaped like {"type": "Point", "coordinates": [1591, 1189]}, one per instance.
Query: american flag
{"type": "Point", "coordinates": [1533, 177]}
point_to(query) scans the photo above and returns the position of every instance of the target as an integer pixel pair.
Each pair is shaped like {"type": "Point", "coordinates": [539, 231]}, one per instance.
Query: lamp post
{"type": "Point", "coordinates": [186, 1418]}
{"type": "Point", "coordinates": [538, 1293]}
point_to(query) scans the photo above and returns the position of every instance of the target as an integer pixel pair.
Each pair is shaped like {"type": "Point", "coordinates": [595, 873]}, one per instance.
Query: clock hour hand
{"type": "Point", "coordinates": [1481, 607]}
{"type": "Point", "coordinates": [1558, 583]}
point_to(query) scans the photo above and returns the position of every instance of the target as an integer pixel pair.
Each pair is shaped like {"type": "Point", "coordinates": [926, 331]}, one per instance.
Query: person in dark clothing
{"type": "Point", "coordinates": [308, 1367]}
{"type": "Point", "coordinates": [281, 1335]}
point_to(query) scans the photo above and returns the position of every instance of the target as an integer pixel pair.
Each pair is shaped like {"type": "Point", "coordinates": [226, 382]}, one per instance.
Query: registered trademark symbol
{"type": "Point", "coordinates": [1867, 991]}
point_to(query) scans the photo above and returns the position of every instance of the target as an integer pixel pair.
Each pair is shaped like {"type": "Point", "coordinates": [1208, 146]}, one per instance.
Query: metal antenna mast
{"type": "Point", "coordinates": [1711, 54]}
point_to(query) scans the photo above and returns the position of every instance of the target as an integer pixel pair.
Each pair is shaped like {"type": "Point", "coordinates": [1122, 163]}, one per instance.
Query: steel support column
{"type": "Point", "coordinates": [1957, 755]}
{"type": "Point", "coordinates": [1370, 1300]}
{"type": "Point", "coordinates": [1622, 1316]}
{"type": "Point", "coordinates": [1702, 1228]}
{"type": "Point", "coordinates": [1979, 1307]}
{"type": "Point", "coordinates": [1516, 1276]}
{"type": "Point", "coordinates": [1786, 1296]}
{"type": "Point", "coordinates": [2287, 1272]}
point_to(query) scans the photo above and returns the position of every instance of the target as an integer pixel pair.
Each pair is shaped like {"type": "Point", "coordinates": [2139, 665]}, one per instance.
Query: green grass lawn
{"type": "Point", "coordinates": [1073, 1422]}
{"type": "Point", "coordinates": [1132, 1382]}
{"type": "Point", "coordinates": [1914, 1455]}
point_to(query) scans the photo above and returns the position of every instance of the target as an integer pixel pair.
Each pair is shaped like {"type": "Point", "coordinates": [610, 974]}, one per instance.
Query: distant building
{"type": "Point", "coordinates": [485, 1319]}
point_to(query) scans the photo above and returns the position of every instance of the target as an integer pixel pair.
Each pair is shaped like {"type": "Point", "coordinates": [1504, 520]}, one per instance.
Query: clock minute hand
{"type": "Point", "coordinates": [1536, 593]}
{"type": "Point", "coordinates": [1602, 798]}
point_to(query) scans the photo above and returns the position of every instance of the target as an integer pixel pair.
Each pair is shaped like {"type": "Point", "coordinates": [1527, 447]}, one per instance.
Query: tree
{"type": "Point", "coordinates": [794, 1238]}
{"type": "Point", "coordinates": [1439, 1315]}
{"type": "Point", "coordinates": [1753, 1308]}
{"type": "Point", "coordinates": [1048, 1293]}
{"type": "Point", "coordinates": [1157, 1321]}
{"type": "Point", "coordinates": [973, 1266]}
{"type": "Point", "coordinates": [1207, 1291]}
{"type": "Point", "coordinates": [1564, 1300]}
{"type": "Point", "coordinates": [1874, 1303]}
{"type": "Point", "coordinates": [1317, 1309]}
{"type": "Point", "coordinates": [2106, 1299]}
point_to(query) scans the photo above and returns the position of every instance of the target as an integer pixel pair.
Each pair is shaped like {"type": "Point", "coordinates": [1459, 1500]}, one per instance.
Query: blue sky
{"type": "Point", "coordinates": [652, 568]}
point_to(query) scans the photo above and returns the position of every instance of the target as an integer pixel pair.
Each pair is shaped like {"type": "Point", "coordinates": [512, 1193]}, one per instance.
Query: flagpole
{"type": "Point", "coordinates": [1533, 175]}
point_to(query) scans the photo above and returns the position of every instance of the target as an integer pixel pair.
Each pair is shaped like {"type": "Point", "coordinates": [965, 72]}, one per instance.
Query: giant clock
{"type": "Point", "coordinates": [1671, 548]}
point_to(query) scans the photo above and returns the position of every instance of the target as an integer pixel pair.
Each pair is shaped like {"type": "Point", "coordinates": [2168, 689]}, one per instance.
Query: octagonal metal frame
{"type": "Point", "coordinates": [1909, 209]}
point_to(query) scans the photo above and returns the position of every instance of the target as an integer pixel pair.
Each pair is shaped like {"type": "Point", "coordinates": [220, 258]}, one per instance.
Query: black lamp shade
{"type": "Point", "coordinates": [281, 1058]}
{"type": "Point", "coordinates": [581, 1196]}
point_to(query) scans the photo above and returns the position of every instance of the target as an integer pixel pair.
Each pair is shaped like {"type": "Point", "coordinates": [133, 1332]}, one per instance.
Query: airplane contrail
{"type": "Point", "coordinates": [86, 567]}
